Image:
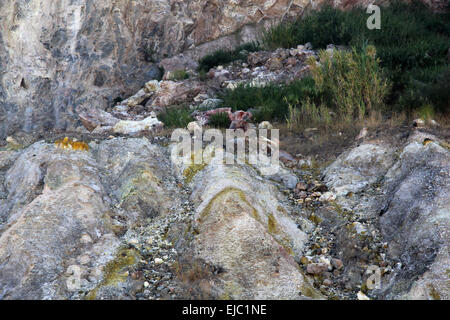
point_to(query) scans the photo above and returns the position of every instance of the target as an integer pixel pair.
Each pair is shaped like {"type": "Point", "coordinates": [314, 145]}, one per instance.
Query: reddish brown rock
{"type": "Point", "coordinates": [316, 268]}
{"type": "Point", "coordinates": [240, 119]}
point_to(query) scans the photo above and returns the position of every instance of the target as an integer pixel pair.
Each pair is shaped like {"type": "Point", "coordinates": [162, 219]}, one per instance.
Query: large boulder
{"type": "Point", "coordinates": [57, 219]}
{"type": "Point", "coordinates": [358, 168]}
{"type": "Point", "coordinates": [404, 190]}
{"type": "Point", "coordinates": [65, 214]}
{"type": "Point", "coordinates": [416, 219]}
{"type": "Point", "coordinates": [138, 176]}
{"type": "Point", "coordinates": [242, 228]}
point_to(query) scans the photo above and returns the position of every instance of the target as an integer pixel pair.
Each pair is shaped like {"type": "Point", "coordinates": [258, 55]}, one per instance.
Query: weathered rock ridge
{"type": "Point", "coordinates": [123, 221]}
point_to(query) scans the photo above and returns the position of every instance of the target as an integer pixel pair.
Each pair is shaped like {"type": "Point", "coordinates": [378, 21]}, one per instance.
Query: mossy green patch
{"type": "Point", "coordinates": [231, 291]}
{"type": "Point", "coordinates": [143, 180]}
{"type": "Point", "coordinates": [116, 270]}
{"type": "Point", "coordinates": [223, 193]}
{"type": "Point", "coordinates": [308, 291]}
{"type": "Point", "coordinates": [315, 219]}
{"type": "Point", "coordinates": [190, 172]}
{"type": "Point", "coordinates": [272, 224]}
{"type": "Point", "coordinates": [433, 293]}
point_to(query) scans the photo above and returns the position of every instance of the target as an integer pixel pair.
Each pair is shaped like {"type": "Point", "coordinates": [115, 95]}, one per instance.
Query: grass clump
{"type": "Point", "coordinates": [221, 57]}
{"type": "Point", "coordinates": [352, 84]}
{"type": "Point", "coordinates": [270, 102]}
{"type": "Point", "coordinates": [179, 75]}
{"type": "Point", "coordinates": [219, 120]}
{"type": "Point", "coordinates": [176, 117]}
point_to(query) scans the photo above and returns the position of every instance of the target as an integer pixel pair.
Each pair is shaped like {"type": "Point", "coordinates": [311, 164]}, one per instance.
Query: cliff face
{"type": "Point", "coordinates": [59, 57]}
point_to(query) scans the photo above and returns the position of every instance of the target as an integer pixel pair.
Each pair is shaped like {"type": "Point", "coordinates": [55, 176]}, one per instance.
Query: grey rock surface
{"type": "Point", "coordinates": [405, 191]}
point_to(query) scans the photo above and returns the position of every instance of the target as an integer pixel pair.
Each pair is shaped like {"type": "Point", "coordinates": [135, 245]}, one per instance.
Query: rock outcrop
{"type": "Point", "coordinates": [65, 211]}
{"type": "Point", "coordinates": [244, 229]}
{"type": "Point", "coordinates": [405, 189]}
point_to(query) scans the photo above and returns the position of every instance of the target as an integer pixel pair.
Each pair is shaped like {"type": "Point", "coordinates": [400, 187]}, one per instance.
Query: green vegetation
{"type": "Point", "coordinates": [219, 120]}
{"type": "Point", "coordinates": [352, 84]}
{"type": "Point", "coordinates": [269, 102]}
{"type": "Point", "coordinates": [179, 75]}
{"type": "Point", "coordinates": [400, 70]}
{"type": "Point", "coordinates": [412, 46]}
{"type": "Point", "coordinates": [176, 117]}
{"type": "Point", "coordinates": [349, 84]}
{"type": "Point", "coordinates": [222, 57]}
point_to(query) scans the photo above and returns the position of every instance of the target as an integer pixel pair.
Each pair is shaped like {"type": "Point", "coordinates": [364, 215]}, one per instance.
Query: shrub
{"type": "Point", "coordinates": [220, 120]}
{"type": "Point", "coordinates": [176, 117]}
{"type": "Point", "coordinates": [429, 86]}
{"type": "Point", "coordinates": [221, 57]}
{"type": "Point", "coordinates": [350, 83]}
{"type": "Point", "coordinates": [308, 115]}
{"type": "Point", "coordinates": [426, 112]}
{"type": "Point", "coordinates": [179, 75]}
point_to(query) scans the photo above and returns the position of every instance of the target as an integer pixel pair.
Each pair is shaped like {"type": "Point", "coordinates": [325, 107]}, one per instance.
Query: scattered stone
{"type": "Point", "coordinates": [362, 296]}
{"type": "Point", "coordinates": [316, 268]}
{"type": "Point", "coordinates": [337, 263]}
{"type": "Point", "coordinates": [327, 282]}
{"type": "Point", "coordinates": [328, 196]}
{"type": "Point", "coordinates": [265, 125]}
{"type": "Point", "coordinates": [419, 123]}
{"type": "Point", "coordinates": [301, 186]}
{"type": "Point", "coordinates": [362, 134]}
{"type": "Point", "coordinates": [193, 127]}
{"type": "Point", "coordinates": [95, 117]}
{"type": "Point", "coordinates": [137, 99]}
{"type": "Point", "coordinates": [133, 127]}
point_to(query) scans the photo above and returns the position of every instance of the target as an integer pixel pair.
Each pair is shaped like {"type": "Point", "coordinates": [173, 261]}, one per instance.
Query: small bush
{"type": "Point", "coordinates": [308, 115]}
{"type": "Point", "coordinates": [176, 117]}
{"type": "Point", "coordinates": [219, 120]}
{"type": "Point", "coordinates": [221, 57]}
{"type": "Point", "coordinates": [179, 75]}
{"type": "Point", "coordinates": [426, 112]}
{"type": "Point", "coordinates": [351, 83]}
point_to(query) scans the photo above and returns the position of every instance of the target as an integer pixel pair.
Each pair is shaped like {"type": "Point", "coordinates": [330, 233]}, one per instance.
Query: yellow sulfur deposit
{"type": "Point", "coordinates": [427, 141]}
{"type": "Point", "coordinates": [67, 143]}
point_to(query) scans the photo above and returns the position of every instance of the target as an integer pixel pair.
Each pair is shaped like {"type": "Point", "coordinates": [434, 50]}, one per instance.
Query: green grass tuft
{"type": "Point", "coordinates": [179, 75]}
{"type": "Point", "coordinates": [222, 57]}
{"type": "Point", "coordinates": [220, 120]}
{"type": "Point", "coordinates": [176, 117]}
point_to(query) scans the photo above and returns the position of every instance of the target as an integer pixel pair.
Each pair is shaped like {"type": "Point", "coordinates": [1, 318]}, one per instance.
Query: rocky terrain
{"type": "Point", "coordinates": [107, 213]}
{"type": "Point", "coordinates": [122, 221]}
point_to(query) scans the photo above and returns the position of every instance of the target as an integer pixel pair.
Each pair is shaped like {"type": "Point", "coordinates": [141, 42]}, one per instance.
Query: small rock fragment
{"type": "Point", "coordinates": [316, 268]}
